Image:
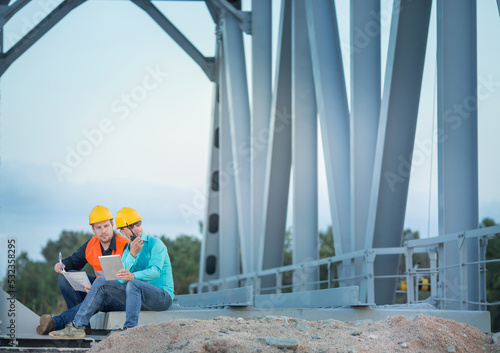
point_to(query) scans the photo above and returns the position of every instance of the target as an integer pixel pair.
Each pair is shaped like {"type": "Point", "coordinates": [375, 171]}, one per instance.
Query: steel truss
{"type": "Point", "coordinates": [256, 147]}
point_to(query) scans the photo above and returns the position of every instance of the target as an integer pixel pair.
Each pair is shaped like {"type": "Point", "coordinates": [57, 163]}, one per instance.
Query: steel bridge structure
{"type": "Point", "coordinates": [258, 146]}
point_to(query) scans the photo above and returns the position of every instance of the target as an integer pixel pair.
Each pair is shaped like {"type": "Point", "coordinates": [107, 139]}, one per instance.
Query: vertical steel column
{"type": "Point", "coordinates": [365, 112]}
{"type": "Point", "coordinates": [368, 282]}
{"type": "Point", "coordinates": [441, 275]}
{"type": "Point", "coordinates": [482, 272]}
{"type": "Point", "coordinates": [228, 232]}
{"type": "Point", "coordinates": [462, 287]}
{"type": "Point", "coordinates": [304, 151]}
{"type": "Point", "coordinates": [261, 113]}
{"type": "Point", "coordinates": [209, 254]}
{"type": "Point", "coordinates": [239, 116]}
{"type": "Point", "coordinates": [395, 139]}
{"type": "Point", "coordinates": [457, 121]}
{"type": "Point", "coordinates": [411, 277]}
{"type": "Point", "coordinates": [432, 252]}
{"type": "Point", "coordinates": [333, 111]}
{"type": "Point", "coordinates": [279, 154]}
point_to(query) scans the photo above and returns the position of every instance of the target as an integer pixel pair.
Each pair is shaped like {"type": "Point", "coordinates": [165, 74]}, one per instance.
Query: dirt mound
{"type": "Point", "coordinates": [278, 334]}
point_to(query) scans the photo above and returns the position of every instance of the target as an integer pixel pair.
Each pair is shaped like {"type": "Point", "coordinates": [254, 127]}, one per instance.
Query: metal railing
{"type": "Point", "coordinates": [338, 271]}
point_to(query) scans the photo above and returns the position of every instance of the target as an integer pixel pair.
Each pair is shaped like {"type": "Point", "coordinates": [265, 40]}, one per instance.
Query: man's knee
{"type": "Point", "coordinates": [133, 285]}
{"type": "Point", "coordinates": [99, 284]}
{"type": "Point", "coordinates": [99, 280]}
{"type": "Point", "coordinates": [63, 282]}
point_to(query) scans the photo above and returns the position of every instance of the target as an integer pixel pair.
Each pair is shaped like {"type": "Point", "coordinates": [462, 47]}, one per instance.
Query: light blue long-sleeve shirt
{"type": "Point", "coordinates": [151, 264]}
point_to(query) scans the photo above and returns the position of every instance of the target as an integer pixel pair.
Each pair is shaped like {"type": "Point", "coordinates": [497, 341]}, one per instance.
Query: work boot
{"type": "Point", "coordinates": [46, 325]}
{"type": "Point", "coordinates": [70, 331]}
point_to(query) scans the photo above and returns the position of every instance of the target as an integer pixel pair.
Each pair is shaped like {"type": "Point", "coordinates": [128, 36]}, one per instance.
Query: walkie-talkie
{"type": "Point", "coordinates": [133, 236]}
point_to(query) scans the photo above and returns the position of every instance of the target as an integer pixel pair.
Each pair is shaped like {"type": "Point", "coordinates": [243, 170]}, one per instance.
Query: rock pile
{"type": "Point", "coordinates": [279, 334]}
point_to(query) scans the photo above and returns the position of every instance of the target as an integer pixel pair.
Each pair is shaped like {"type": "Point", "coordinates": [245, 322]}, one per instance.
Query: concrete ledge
{"type": "Point", "coordinates": [478, 319]}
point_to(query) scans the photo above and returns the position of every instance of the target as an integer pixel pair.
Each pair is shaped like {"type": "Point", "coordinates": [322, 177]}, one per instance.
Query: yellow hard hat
{"type": "Point", "coordinates": [99, 214]}
{"type": "Point", "coordinates": [127, 216]}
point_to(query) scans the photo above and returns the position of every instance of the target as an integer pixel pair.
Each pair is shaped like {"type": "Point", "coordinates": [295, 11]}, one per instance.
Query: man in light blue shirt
{"type": "Point", "coordinates": [145, 283]}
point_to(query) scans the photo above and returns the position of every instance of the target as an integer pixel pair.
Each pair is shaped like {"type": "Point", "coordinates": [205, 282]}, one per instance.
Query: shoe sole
{"type": "Point", "coordinates": [67, 337]}
{"type": "Point", "coordinates": [45, 323]}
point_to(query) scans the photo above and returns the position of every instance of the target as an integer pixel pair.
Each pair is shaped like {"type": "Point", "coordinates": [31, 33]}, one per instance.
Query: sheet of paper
{"type": "Point", "coordinates": [110, 266]}
{"type": "Point", "coordinates": [78, 280]}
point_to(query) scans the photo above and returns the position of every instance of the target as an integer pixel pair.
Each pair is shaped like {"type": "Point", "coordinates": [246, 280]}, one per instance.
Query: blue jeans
{"type": "Point", "coordinates": [71, 296]}
{"type": "Point", "coordinates": [136, 295]}
{"type": "Point", "coordinates": [67, 316]}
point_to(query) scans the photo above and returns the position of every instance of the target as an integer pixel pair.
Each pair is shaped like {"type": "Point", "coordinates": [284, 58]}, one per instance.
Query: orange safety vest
{"type": "Point", "coordinates": [93, 251]}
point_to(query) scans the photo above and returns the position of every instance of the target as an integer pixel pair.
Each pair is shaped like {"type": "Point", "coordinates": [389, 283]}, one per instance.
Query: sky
{"type": "Point", "coordinates": [107, 109]}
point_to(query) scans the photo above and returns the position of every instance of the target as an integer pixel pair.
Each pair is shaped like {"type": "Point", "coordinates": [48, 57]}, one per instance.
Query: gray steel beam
{"type": "Point", "coordinates": [207, 64]}
{"type": "Point", "coordinates": [213, 10]}
{"type": "Point", "coordinates": [230, 297]}
{"type": "Point", "coordinates": [325, 298]}
{"type": "Point", "coordinates": [304, 152]}
{"type": "Point", "coordinates": [279, 154]}
{"type": "Point", "coordinates": [229, 8]}
{"type": "Point", "coordinates": [457, 148]}
{"type": "Point", "coordinates": [6, 59]}
{"type": "Point", "coordinates": [365, 112]}
{"type": "Point", "coordinates": [210, 252]}
{"type": "Point", "coordinates": [14, 8]}
{"type": "Point", "coordinates": [261, 113]}
{"type": "Point", "coordinates": [239, 114]}
{"type": "Point", "coordinates": [396, 135]}
{"type": "Point", "coordinates": [228, 230]}
{"type": "Point", "coordinates": [333, 112]}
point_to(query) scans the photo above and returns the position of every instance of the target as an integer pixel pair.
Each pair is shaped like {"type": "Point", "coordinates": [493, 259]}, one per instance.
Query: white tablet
{"type": "Point", "coordinates": [110, 266]}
